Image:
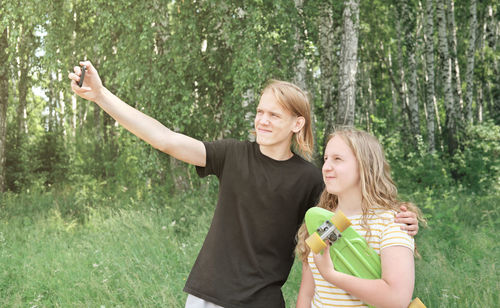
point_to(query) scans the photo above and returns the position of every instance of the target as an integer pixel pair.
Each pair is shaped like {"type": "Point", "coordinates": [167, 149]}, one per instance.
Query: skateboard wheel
{"type": "Point", "coordinates": [416, 303]}
{"type": "Point", "coordinates": [341, 221]}
{"type": "Point", "coordinates": [315, 242]}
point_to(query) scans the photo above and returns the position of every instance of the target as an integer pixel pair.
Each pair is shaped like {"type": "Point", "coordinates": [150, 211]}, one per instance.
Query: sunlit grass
{"type": "Point", "coordinates": [128, 258]}
{"type": "Point", "coordinates": [138, 253]}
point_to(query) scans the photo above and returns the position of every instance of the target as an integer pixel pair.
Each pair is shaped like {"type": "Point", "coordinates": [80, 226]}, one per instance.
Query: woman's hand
{"type": "Point", "coordinates": [324, 263]}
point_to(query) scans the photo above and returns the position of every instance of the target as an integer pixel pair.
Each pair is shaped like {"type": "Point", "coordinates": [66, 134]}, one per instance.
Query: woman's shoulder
{"type": "Point", "coordinates": [382, 213]}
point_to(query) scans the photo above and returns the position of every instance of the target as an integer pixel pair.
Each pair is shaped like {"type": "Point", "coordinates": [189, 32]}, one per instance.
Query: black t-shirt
{"type": "Point", "coordinates": [248, 252]}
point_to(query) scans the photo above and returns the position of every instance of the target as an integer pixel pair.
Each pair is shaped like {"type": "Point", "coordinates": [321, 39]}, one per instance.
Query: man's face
{"type": "Point", "coordinates": [273, 124]}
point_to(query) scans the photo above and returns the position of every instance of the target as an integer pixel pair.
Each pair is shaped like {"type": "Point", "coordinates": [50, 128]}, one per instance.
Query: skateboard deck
{"type": "Point", "coordinates": [350, 252]}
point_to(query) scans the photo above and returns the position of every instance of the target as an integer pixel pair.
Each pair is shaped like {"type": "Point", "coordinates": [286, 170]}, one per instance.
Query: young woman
{"type": "Point", "coordinates": [358, 182]}
{"type": "Point", "coordinates": [265, 189]}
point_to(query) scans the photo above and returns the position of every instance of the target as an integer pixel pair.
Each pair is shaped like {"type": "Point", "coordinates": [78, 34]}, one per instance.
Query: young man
{"type": "Point", "coordinates": [265, 190]}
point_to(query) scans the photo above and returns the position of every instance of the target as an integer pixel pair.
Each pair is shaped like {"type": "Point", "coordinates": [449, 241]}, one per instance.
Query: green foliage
{"type": "Point", "coordinates": [52, 158]}
{"type": "Point", "coordinates": [18, 165]}
{"type": "Point", "coordinates": [476, 165]}
{"type": "Point", "coordinates": [414, 170]}
{"type": "Point", "coordinates": [478, 162]}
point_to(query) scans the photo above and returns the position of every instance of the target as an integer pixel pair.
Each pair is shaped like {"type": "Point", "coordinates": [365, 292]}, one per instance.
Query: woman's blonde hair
{"type": "Point", "coordinates": [377, 187]}
{"type": "Point", "coordinates": [293, 99]}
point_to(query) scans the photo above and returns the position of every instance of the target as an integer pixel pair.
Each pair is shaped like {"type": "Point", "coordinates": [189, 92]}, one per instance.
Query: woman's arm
{"type": "Point", "coordinates": [394, 289]}
{"type": "Point", "coordinates": [180, 146]}
{"type": "Point", "coordinates": [306, 291]}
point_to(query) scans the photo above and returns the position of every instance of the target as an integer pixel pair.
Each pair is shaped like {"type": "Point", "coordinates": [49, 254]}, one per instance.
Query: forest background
{"type": "Point", "coordinates": [92, 216]}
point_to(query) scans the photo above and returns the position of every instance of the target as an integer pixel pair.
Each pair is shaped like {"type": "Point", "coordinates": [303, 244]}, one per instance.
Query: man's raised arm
{"type": "Point", "coordinates": [180, 146]}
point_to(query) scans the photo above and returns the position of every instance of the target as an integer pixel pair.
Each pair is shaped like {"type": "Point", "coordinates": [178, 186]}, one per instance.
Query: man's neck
{"type": "Point", "coordinates": [276, 152]}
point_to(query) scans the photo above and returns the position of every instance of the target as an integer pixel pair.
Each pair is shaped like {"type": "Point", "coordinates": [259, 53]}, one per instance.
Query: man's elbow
{"type": "Point", "coordinates": [164, 142]}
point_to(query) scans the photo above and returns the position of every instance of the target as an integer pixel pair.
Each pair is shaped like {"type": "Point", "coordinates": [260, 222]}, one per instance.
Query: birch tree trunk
{"type": "Point", "coordinates": [430, 99]}
{"type": "Point", "coordinates": [393, 87]}
{"type": "Point", "coordinates": [450, 106]}
{"type": "Point", "coordinates": [456, 80]}
{"type": "Point", "coordinates": [471, 50]}
{"type": "Point", "coordinates": [403, 88]}
{"type": "Point", "coordinates": [348, 63]}
{"type": "Point", "coordinates": [4, 99]}
{"type": "Point", "coordinates": [408, 16]}
{"type": "Point", "coordinates": [327, 67]}
{"type": "Point", "coordinates": [301, 67]}
{"type": "Point", "coordinates": [22, 86]}
{"type": "Point", "coordinates": [300, 78]}
{"type": "Point", "coordinates": [365, 93]}
{"type": "Point", "coordinates": [493, 86]}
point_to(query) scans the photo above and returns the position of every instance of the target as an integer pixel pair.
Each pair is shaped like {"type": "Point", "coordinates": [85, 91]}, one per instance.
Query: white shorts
{"type": "Point", "coordinates": [196, 302]}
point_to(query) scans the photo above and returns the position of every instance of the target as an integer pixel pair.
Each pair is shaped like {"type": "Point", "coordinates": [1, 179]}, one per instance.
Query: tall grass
{"type": "Point", "coordinates": [109, 248]}
{"type": "Point", "coordinates": [117, 257]}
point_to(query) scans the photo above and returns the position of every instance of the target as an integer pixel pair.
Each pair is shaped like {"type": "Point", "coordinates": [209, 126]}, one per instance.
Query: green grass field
{"type": "Point", "coordinates": [133, 250]}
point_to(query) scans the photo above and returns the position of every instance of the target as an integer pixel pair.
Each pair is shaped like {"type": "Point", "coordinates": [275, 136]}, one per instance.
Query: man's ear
{"type": "Point", "coordinates": [299, 124]}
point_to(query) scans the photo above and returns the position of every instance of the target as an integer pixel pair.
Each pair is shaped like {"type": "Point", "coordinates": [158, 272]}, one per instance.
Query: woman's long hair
{"type": "Point", "coordinates": [377, 187]}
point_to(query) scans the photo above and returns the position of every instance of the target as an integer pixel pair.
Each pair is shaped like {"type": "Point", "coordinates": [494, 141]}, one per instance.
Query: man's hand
{"type": "Point", "coordinates": [92, 85]}
{"type": "Point", "coordinates": [409, 219]}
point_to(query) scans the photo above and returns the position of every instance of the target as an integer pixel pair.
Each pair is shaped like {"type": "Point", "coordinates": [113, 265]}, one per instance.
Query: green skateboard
{"type": "Point", "coordinates": [350, 252]}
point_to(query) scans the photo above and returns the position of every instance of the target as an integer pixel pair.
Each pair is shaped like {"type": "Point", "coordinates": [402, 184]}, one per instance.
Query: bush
{"type": "Point", "coordinates": [417, 169]}
{"type": "Point", "coordinates": [477, 164]}
{"type": "Point", "coordinates": [52, 158]}
{"type": "Point", "coordinates": [19, 163]}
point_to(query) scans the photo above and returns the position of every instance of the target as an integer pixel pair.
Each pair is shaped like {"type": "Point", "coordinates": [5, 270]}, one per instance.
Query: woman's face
{"type": "Point", "coordinates": [340, 168]}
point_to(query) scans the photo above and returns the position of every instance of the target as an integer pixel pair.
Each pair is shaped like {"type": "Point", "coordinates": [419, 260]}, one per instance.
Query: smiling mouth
{"type": "Point", "coordinates": [264, 130]}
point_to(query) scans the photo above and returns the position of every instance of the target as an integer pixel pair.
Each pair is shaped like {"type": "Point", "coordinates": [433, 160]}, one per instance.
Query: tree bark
{"type": "Point", "coordinates": [471, 50]}
{"type": "Point", "coordinates": [408, 16]}
{"type": "Point", "coordinates": [430, 99]}
{"type": "Point", "coordinates": [301, 67]}
{"type": "Point", "coordinates": [446, 76]}
{"type": "Point", "coordinates": [455, 77]}
{"type": "Point", "coordinates": [492, 32]}
{"type": "Point", "coordinates": [403, 88]}
{"type": "Point", "coordinates": [4, 99]}
{"type": "Point", "coordinates": [393, 86]}
{"type": "Point", "coordinates": [348, 63]}
{"type": "Point", "coordinates": [22, 86]}
{"type": "Point", "coordinates": [327, 67]}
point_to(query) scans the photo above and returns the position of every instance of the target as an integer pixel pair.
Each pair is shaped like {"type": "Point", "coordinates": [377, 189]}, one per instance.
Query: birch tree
{"type": "Point", "coordinates": [430, 97]}
{"type": "Point", "coordinates": [408, 16]}
{"type": "Point", "coordinates": [471, 50]}
{"type": "Point", "coordinates": [22, 69]}
{"type": "Point", "coordinates": [492, 34]}
{"type": "Point", "coordinates": [455, 68]}
{"type": "Point", "coordinates": [4, 99]}
{"type": "Point", "coordinates": [326, 33]}
{"type": "Point", "coordinates": [451, 108]}
{"type": "Point", "coordinates": [401, 86]}
{"type": "Point", "coordinates": [300, 67]}
{"type": "Point", "coordinates": [348, 63]}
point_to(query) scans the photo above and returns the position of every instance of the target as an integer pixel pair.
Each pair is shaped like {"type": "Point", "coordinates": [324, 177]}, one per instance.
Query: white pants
{"type": "Point", "coordinates": [196, 302]}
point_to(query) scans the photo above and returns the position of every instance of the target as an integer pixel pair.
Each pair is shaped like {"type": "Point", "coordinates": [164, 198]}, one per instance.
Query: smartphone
{"type": "Point", "coordinates": [82, 76]}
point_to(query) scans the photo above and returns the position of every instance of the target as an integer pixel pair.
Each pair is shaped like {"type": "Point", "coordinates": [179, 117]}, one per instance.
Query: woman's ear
{"type": "Point", "coordinates": [299, 124]}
